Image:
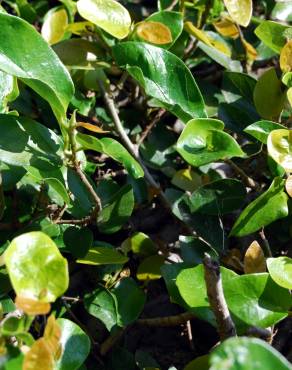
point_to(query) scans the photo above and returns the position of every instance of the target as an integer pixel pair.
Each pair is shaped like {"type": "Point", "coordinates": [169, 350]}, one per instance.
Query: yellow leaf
{"type": "Point", "coordinates": [286, 57]}
{"type": "Point", "coordinates": [39, 357]}
{"type": "Point", "coordinates": [80, 28]}
{"type": "Point", "coordinates": [226, 28]}
{"type": "Point", "coordinates": [55, 25]}
{"type": "Point", "coordinates": [289, 96]}
{"type": "Point", "coordinates": [32, 307]}
{"type": "Point", "coordinates": [154, 32]}
{"type": "Point", "coordinates": [280, 148]}
{"type": "Point", "coordinates": [240, 11]}
{"type": "Point", "coordinates": [251, 52]}
{"type": "Point", "coordinates": [52, 336]}
{"type": "Point", "coordinates": [207, 39]}
{"type": "Point", "coordinates": [91, 127]}
{"type": "Point", "coordinates": [254, 259]}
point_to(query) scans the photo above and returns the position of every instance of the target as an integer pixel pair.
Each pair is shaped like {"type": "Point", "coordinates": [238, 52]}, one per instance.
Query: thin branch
{"type": "Point", "coordinates": [110, 341]}
{"type": "Point", "coordinates": [226, 327]}
{"type": "Point", "coordinates": [266, 244]}
{"type": "Point", "coordinates": [149, 127]}
{"type": "Point", "coordinates": [174, 320]}
{"type": "Point", "coordinates": [247, 180]}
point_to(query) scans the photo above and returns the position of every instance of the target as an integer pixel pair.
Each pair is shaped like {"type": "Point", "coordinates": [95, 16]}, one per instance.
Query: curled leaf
{"type": "Point", "coordinates": [280, 148]}
{"type": "Point", "coordinates": [38, 357]}
{"type": "Point", "coordinates": [91, 127]}
{"type": "Point", "coordinates": [226, 28]}
{"type": "Point", "coordinates": [254, 259]}
{"type": "Point", "coordinates": [55, 24]}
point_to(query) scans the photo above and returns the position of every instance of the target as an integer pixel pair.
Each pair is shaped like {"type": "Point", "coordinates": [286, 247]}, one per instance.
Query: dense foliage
{"type": "Point", "coordinates": [145, 184]}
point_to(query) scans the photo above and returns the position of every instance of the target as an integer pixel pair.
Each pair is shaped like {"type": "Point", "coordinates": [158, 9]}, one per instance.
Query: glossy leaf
{"type": "Point", "coordinates": [8, 91]}
{"type": "Point", "coordinates": [113, 149]}
{"type": "Point", "coordinates": [169, 82]}
{"type": "Point", "coordinates": [268, 207]}
{"type": "Point", "coordinates": [272, 34]}
{"type": "Point", "coordinates": [254, 259]}
{"type": "Point", "coordinates": [36, 268]}
{"type": "Point", "coordinates": [261, 129]}
{"type": "Point", "coordinates": [26, 55]}
{"type": "Point", "coordinates": [246, 354]}
{"type": "Point", "coordinates": [280, 269]}
{"type": "Point", "coordinates": [279, 147]}
{"type": "Point", "coordinates": [109, 15]}
{"type": "Point", "coordinates": [269, 97]}
{"type": "Point", "coordinates": [55, 24]}
{"type": "Point", "coordinates": [102, 256]}
{"type": "Point", "coordinates": [75, 346]}
{"type": "Point", "coordinates": [218, 197]}
{"type": "Point", "coordinates": [239, 10]}
{"type": "Point", "coordinates": [203, 141]}
{"type": "Point", "coordinates": [140, 244]}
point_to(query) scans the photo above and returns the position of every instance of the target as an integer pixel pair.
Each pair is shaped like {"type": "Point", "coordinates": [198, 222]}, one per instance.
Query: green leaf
{"type": "Point", "coordinates": [118, 210]}
{"type": "Point", "coordinates": [199, 363]}
{"type": "Point", "coordinates": [113, 149]}
{"type": "Point", "coordinates": [102, 256]}
{"type": "Point", "coordinates": [55, 24]}
{"type": "Point", "coordinates": [75, 346]}
{"type": "Point", "coordinates": [78, 240]}
{"type": "Point", "coordinates": [149, 268]}
{"type": "Point", "coordinates": [26, 55]}
{"type": "Point", "coordinates": [102, 305]}
{"type": "Point", "coordinates": [170, 82]}
{"type": "Point", "coordinates": [218, 197]}
{"type": "Point", "coordinates": [240, 11]}
{"type": "Point", "coordinates": [268, 207]}
{"type": "Point", "coordinates": [246, 354]}
{"type": "Point", "coordinates": [130, 301]}
{"type": "Point", "coordinates": [36, 268]}
{"type": "Point", "coordinates": [269, 97]}
{"type": "Point", "coordinates": [203, 141]}
{"type": "Point", "coordinates": [261, 129]}
{"type": "Point", "coordinates": [109, 15]}
{"type": "Point", "coordinates": [280, 269]}
{"type": "Point", "coordinates": [25, 142]}
{"type": "Point", "coordinates": [8, 91]}
{"type": "Point", "coordinates": [140, 244]}
{"type": "Point", "coordinates": [272, 34]}
{"type": "Point", "coordinates": [279, 147]}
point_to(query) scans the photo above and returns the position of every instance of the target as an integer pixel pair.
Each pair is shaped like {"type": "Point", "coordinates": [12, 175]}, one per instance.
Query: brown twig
{"type": "Point", "coordinates": [149, 127]}
{"type": "Point", "coordinates": [266, 244]}
{"type": "Point", "coordinates": [247, 180]}
{"type": "Point", "coordinates": [174, 320]}
{"type": "Point", "coordinates": [226, 327]}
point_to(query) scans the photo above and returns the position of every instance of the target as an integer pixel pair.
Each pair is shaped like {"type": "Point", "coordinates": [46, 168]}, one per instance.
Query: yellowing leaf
{"type": "Point", "coordinates": [91, 127]}
{"type": "Point", "coordinates": [103, 256]}
{"type": "Point", "coordinates": [289, 96]}
{"type": "Point", "coordinates": [280, 147]}
{"type": "Point", "coordinates": [80, 28]}
{"type": "Point", "coordinates": [240, 11]}
{"type": "Point", "coordinates": [226, 28]}
{"type": "Point", "coordinates": [254, 259]}
{"type": "Point", "coordinates": [32, 307]}
{"type": "Point", "coordinates": [52, 336]}
{"type": "Point", "coordinates": [269, 99]}
{"type": "Point", "coordinates": [55, 25]}
{"type": "Point", "coordinates": [39, 357]}
{"type": "Point", "coordinates": [251, 52]}
{"type": "Point", "coordinates": [154, 32]}
{"type": "Point", "coordinates": [286, 57]}
{"type": "Point", "coordinates": [207, 39]}
{"type": "Point", "coordinates": [109, 15]}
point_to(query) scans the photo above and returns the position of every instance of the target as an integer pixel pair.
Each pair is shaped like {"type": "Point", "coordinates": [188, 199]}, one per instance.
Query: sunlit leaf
{"type": "Point", "coordinates": [91, 127]}
{"type": "Point", "coordinates": [55, 24]}
{"type": "Point", "coordinates": [226, 28]}
{"type": "Point", "coordinates": [286, 57]}
{"type": "Point", "coordinates": [240, 11]}
{"type": "Point", "coordinates": [254, 259]}
{"type": "Point", "coordinates": [36, 268]}
{"type": "Point", "coordinates": [103, 256]}
{"type": "Point", "coordinates": [280, 269]}
{"type": "Point", "coordinates": [52, 335]}
{"type": "Point", "coordinates": [149, 268]}
{"type": "Point", "coordinates": [39, 357]}
{"type": "Point", "coordinates": [280, 149]}
{"type": "Point", "coordinates": [31, 306]}
{"type": "Point", "coordinates": [109, 15]}
{"type": "Point", "coordinates": [272, 34]}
